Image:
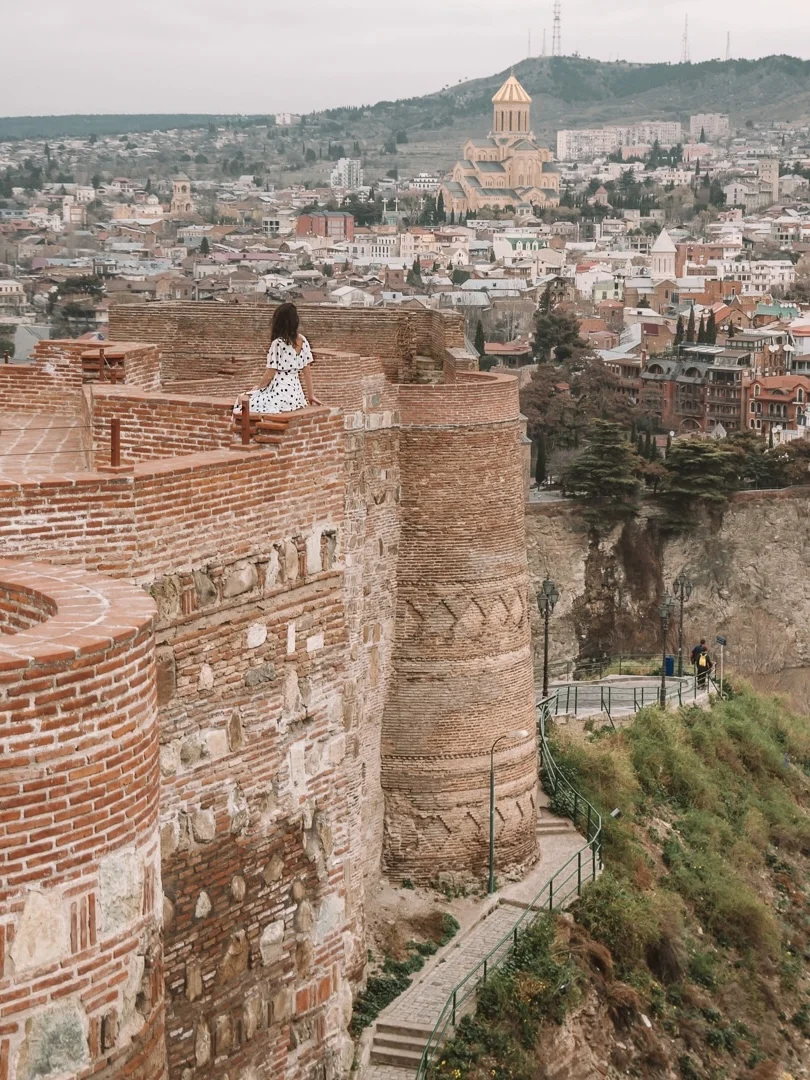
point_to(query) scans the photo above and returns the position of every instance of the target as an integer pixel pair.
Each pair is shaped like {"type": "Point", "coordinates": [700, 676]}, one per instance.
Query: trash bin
{"type": "Point", "coordinates": [669, 666]}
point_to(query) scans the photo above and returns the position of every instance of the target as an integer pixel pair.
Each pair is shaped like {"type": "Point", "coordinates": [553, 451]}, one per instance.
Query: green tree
{"type": "Point", "coordinates": [96, 181]}
{"type": "Point", "coordinates": [703, 135]}
{"type": "Point", "coordinates": [607, 469]}
{"type": "Point", "coordinates": [679, 331]}
{"type": "Point", "coordinates": [701, 337]}
{"type": "Point", "coordinates": [6, 346]}
{"type": "Point", "coordinates": [711, 330]}
{"type": "Point", "coordinates": [402, 136]}
{"type": "Point", "coordinates": [205, 247]}
{"type": "Point", "coordinates": [441, 217]}
{"type": "Point", "coordinates": [690, 326]}
{"type": "Point", "coordinates": [480, 340]}
{"type": "Point", "coordinates": [540, 462]}
{"type": "Point", "coordinates": [702, 470]}
{"type": "Point", "coordinates": [732, 330]}
{"type": "Point", "coordinates": [556, 332]}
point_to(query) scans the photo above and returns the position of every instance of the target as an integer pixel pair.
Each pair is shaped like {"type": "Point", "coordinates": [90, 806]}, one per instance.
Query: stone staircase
{"type": "Point", "coordinates": [399, 1045]}
{"type": "Point", "coordinates": [404, 1027]}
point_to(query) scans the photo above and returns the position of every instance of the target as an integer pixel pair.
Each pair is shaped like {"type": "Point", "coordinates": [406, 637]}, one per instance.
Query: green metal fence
{"type": "Point", "coordinates": [554, 894]}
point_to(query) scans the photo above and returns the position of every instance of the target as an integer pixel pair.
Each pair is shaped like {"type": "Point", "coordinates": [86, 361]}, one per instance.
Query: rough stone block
{"type": "Point", "coordinates": [120, 879]}
{"type": "Point", "coordinates": [205, 680]}
{"type": "Point", "coordinates": [194, 981]}
{"type": "Point", "coordinates": [170, 758]}
{"type": "Point", "coordinates": [55, 1043]}
{"type": "Point", "coordinates": [330, 916]}
{"type": "Point", "coordinates": [204, 826]}
{"type": "Point", "coordinates": [240, 581]}
{"type": "Point", "coordinates": [315, 643]}
{"type": "Point", "coordinates": [256, 635]}
{"type": "Point", "coordinates": [236, 735]}
{"type": "Point", "coordinates": [202, 1044]}
{"type": "Point", "coordinates": [238, 810]}
{"type": "Point", "coordinates": [280, 1006]}
{"type": "Point", "coordinates": [216, 742]}
{"type": "Point", "coordinates": [191, 751]}
{"type": "Point", "coordinates": [235, 961]}
{"type": "Point", "coordinates": [274, 870]}
{"type": "Point", "coordinates": [203, 906]}
{"type": "Point", "coordinates": [206, 589]}
{"type": "Point", "coordinates": [166, 675]}
{"type": "Point", "coordinates": [169, 838]}
{"type": "Point", "coordinates": [303, 919]}
{"type": "Point", "coordinates": [43, 935]}
{"type": "Point", "coordinates": [258, 676]}
{"type": "Point", "coordinates": [238, 888]}
{"type": "Point", "coordinates": [271, 942]}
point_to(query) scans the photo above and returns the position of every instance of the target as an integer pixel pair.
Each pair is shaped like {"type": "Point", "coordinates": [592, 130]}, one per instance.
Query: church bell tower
{"type": "Point", "coordinates": [511, 111]}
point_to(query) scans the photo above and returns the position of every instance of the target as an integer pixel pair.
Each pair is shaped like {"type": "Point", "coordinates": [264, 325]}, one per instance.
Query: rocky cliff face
{"type": "Point", "coordinates": [749, 566]}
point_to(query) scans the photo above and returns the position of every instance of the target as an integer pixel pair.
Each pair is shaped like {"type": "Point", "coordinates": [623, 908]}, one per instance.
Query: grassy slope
{"type": "Point", "coordinates": [701, 920]}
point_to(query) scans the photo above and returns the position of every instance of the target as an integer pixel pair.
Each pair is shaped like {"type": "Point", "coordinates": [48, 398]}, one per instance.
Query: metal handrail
{"type": "Point", "coordinates": [559, 888]}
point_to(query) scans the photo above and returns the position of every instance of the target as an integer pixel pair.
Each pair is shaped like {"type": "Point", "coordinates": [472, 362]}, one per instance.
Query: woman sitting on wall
{"type": "Point", "coordinates": [289, 354]}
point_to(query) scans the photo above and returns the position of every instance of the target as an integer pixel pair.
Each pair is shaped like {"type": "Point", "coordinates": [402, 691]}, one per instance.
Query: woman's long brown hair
{"type": "Point", "coordinates": [285, 324]}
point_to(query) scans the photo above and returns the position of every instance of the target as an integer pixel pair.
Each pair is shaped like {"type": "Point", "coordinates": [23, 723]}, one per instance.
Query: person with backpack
{"type": "Point", "coordinates": [702, 662]}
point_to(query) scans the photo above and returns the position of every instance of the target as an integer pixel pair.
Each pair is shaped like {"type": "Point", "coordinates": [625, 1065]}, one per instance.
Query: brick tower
{"type": "Point", "coordinates": [462, 651]}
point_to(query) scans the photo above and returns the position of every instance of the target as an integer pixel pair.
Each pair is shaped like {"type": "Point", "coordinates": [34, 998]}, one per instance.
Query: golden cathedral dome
{"type": "Point", "coordinates": [511, 93]}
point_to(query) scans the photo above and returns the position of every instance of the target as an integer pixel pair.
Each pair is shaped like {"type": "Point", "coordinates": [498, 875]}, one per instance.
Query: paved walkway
{"type": "Point", "coordinates": [34, 446]}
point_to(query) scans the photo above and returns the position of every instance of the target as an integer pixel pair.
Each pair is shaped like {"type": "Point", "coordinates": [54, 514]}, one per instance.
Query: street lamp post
{"type": "Point", "coordinates": [682, 588]}
{"type": "Point", "coordinates": [521, 733]}
{"type": "Point", "coordinates": [666, 611]}
{"type": "Point", "coordinates": [547, 600]}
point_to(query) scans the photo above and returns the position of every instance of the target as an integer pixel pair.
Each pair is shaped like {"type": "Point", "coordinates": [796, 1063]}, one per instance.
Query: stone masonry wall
{"type": "Point", "coordinates": [81, 975]}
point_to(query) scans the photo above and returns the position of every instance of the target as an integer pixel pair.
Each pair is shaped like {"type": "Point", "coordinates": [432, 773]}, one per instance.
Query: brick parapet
{"type": "Point", "coordinates": [80, 893]}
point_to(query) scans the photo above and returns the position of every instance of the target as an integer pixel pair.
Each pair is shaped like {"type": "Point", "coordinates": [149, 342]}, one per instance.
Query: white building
{"type": "Point", "coordinates": [577, 144]}
{"type": "Point", "coordinates": [425, 182]}
{"type": "Point", "coordinates": [715, 126]}
{"type": "Point", "coordinates": [12, 296]}
{"type": "Point", "coordinates": [664, 254]}
{"type": "Point", "coordinates": [347, 174]}
{"type": "Point", "coordinates": [286, 119]}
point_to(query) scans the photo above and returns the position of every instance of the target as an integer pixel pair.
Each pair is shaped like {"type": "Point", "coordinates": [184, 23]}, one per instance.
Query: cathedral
{"type": "Point", "coordinates": [506, 169]}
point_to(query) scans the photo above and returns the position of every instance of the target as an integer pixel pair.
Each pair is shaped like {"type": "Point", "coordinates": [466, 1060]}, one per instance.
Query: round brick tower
{"type": "Point", "coordinates": [81, 980]}
{"type": "Point", "coordinates": [462, 652]}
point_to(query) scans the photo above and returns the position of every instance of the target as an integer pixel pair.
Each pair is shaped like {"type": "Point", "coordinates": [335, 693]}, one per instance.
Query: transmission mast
{"type": "Point", "coordinates": [556, 40]}
{"type": "Point", "coordinates": [544, 43]}
{"type": "Point", "coordinates": [728, 46]}
{"type": "Point", "coordinates": [685, 55]}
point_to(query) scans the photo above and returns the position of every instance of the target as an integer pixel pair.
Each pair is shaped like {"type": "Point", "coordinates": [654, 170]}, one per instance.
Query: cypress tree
{"type": "Point", "coordinates": [669, 442]}
{"type": "Point", "coordinates": [703, 134]}
{"type": "Point", "coordinates": [540, 465]}
{"type": "Point", "coordinates": [770, 437]}
{"type": "Point", "coordinates": [690, 326]}
{"type": "Point", "coordinates": [679, 331]}
{"type": "Point", "coordinates": [440, 214]}
{"type": "Point", "coordinates": [655, 453]}
{"type": "Point", "coordinates": [640, 445]}
{"type": "Point", "coordinates": [647, 441]}
{"type": "Point", "coordinates": [701, 338]}
{"type": "Point", "coordinates": [711, 330]}
{"type": "Point", "coordinates": [480, 340]}
{"type": "Point", "coordinates": [732, 330]}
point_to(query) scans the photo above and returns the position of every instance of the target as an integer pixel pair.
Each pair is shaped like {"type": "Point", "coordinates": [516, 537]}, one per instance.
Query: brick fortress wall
{"type": "Point", "coordinates": [81, 975]}
{"type": "Point", "coordinates": [281, 646]}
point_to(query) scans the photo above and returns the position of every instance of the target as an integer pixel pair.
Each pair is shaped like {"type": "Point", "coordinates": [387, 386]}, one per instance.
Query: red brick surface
{"type": "Point", "coordinates": [341, 632]}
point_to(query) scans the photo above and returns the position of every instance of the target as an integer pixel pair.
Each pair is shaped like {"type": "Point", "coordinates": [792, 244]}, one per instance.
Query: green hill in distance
{"type": "Point", "coordinates": [576, 92]}
{"type": "Point", "coordinates": [567, 92]}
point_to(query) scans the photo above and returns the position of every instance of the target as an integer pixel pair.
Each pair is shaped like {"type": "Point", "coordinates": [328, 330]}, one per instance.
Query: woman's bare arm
{"type": "Point", "coordinates": [308, 387]}
{"type": "Point", "coordinates": [270, 374]}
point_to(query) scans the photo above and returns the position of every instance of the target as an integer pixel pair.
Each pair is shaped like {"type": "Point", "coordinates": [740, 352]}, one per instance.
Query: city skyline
{"type": "Point", "coordinates": [193, 58]}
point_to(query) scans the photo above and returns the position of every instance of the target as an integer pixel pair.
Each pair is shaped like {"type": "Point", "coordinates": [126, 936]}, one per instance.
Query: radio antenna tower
{"type": "Point", "coordinates": [529, 53]}
{"type": "Point", "coordinates": [728, 46]}
{"type": "Point", "coordinates": [544, 43]}
{"type": "Point", "coordinates": [685, 56]}
{"type": "Point", "coordinates": [556, 40]}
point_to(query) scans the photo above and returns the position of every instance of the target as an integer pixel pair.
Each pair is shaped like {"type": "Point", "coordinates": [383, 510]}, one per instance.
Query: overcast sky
{"type": "Point", "coordinates": [257, 56]}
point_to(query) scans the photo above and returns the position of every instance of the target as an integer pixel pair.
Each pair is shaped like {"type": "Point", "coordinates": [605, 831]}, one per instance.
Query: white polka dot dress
{"type": "Point", "coordinates": [285, 393]}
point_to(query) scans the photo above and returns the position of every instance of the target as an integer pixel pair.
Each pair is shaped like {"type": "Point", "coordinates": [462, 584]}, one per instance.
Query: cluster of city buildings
{"type": "Point", "coordinates": [505, 225]}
